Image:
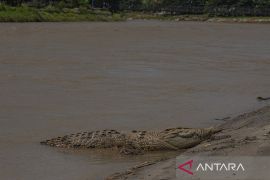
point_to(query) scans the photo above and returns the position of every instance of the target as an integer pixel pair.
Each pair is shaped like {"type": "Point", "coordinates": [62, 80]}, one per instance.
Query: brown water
{"type": "Point", "coordinates": [58, 78]}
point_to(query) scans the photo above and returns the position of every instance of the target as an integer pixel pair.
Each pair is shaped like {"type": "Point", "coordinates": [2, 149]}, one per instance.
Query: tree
{"type": "Point", "coordinates": [114, 5]}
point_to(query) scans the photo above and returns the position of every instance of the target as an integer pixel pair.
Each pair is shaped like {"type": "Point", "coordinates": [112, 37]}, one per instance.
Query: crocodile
{"type": "Point", "coordinates": [135, 142]}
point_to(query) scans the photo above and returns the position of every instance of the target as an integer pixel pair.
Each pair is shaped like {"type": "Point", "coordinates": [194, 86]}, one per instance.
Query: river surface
{"type": "Point", "coordinates": [61, 78]}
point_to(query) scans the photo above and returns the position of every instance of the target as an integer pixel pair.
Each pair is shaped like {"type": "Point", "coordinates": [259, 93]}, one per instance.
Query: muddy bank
{"type": "Point", "coordinates": [201, 18]}
{"type": "Point", "coordinates": [246, 134]}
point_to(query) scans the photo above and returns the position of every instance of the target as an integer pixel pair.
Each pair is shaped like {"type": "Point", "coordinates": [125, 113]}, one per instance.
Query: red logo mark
{"type": "Point", "coordinates": [188, 163]}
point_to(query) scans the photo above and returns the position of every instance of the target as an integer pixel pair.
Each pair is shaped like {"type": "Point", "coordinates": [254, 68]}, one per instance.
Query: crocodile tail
{"type": "Point", "coordinates": [57, 142]}
{"type": "Point", "coordinates": [66, 141]}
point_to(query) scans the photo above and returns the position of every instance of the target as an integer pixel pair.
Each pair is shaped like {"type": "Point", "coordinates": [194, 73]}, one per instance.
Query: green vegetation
{"type": "Point", "coordinates": [51, 14]}
{"type": "Point", "coordinates": [116, 10]}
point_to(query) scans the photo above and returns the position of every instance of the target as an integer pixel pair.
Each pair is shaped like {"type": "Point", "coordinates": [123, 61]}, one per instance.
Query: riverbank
{"type": "Point", "coordinates": [54, 14]}
{"type": "Point", "coordinates": [247, 135]}
{"type": "Point", "coordinates": [202, 18]}
{"type": "Point", "coordinates": [82, 14]}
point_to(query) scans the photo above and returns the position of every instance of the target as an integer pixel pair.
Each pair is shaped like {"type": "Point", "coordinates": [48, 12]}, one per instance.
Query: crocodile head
{"type": "Point", "coordinates": [187, 137]}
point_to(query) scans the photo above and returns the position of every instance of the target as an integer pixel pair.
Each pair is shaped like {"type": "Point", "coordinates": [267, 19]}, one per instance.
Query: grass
{"type": "Point", "coordinates": [57, 14]}
{"type": "Point", "coordinates": [141, 15]}
{"type": "Point", "coordinates": [52, 14]}
{"type": "Point", "coordinates": [202, 17]}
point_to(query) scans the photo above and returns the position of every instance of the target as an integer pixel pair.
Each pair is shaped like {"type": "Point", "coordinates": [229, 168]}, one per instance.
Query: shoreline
{"type": "Point", "coordinates": [246, 134]}
{"type": "Point", "coordinates": [199, 18]}
{"type": "Point", "coordinates": [53, 14]}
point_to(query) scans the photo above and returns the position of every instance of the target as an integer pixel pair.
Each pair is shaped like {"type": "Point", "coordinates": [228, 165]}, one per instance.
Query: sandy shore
{"type": "Point", "coordinates": [246, 134]}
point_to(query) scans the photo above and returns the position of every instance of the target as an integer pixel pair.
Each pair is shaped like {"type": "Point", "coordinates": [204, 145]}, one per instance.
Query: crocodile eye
{"type": "Point", "coordinates": [186, 134]}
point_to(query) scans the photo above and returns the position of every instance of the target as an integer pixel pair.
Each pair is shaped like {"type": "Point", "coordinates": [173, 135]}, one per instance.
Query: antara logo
{"type": "Point", "coordinates": [216, 166]}
{"type": "Point", "coordinates": [220, 167]}
{"type": "Point", "coordinates": [188, 163]}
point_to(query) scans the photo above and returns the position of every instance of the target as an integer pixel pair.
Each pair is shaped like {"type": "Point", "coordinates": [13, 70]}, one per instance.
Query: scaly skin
{"type": "Point", "coordinates": [135, 142]}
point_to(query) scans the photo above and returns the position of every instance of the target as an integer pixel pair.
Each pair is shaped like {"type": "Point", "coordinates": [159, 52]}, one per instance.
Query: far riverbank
{"type": "Point", "coordinates": [83, 14]}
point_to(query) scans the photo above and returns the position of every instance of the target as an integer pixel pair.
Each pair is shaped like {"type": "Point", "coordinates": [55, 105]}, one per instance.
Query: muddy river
{"type": "Point", "coordinates": [59, 78]}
